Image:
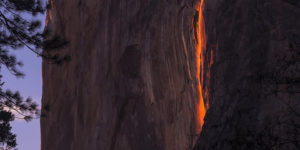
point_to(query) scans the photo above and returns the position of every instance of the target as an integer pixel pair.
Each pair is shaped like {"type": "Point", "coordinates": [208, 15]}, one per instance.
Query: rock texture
{"type": "Point", "coordinates": [252, 75]}
{"type": "Point", "coordinates": [130, 84]}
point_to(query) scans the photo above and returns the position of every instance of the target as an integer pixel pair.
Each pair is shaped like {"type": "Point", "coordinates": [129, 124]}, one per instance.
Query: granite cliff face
{"type": "Point", "coordinates": [253, 82]}
{"type": "Point", "coordinates": [137, 77]}
{"type": "Point", "coordinates": [131, 83]}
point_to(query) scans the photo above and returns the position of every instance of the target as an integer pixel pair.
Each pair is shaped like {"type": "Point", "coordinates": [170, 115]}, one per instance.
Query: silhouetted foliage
{"type": "Point", "coordinates": [17, 31]}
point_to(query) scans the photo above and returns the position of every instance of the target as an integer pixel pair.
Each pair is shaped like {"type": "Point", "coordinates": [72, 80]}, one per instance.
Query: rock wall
{"type": "Point", "coordinates": [130, 84]}
{"type": "Point", "coordinates": [252, 75]}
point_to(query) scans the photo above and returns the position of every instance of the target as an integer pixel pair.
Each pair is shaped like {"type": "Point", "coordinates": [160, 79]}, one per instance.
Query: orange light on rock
{"type": "Point", "coordinates": [49, 13]}
{"type": "Point", "coordinates": [201, 41]}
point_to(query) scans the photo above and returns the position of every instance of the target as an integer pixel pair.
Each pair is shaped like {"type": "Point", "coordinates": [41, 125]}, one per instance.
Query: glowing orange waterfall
{"type": "Point", "coordinates": [201, 41]}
